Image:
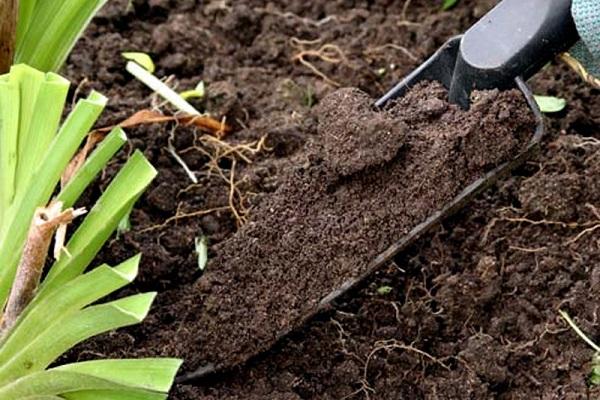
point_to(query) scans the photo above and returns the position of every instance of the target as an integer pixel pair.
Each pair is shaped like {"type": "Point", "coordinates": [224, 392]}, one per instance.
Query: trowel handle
{"type": "Point", "coordinates": [516, 38]}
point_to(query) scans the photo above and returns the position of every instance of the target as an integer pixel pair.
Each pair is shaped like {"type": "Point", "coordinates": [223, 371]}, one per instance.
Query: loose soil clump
{"type": "Point", "coordinates": [368, 178]}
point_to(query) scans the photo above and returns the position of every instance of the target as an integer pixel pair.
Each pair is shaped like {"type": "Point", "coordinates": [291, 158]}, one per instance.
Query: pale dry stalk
{"type": "Point", "coordinates": [45, 222]}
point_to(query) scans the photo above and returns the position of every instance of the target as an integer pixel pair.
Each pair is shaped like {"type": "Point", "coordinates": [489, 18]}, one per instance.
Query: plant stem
{"type": "Point", "coordinates": [9, 10]}
{"type": "Point", "coordinates": [45, 222]}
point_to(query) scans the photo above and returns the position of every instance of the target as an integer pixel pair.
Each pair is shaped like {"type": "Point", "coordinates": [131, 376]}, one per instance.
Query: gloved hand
{"type": "Point", "coordinates": [585, 55]}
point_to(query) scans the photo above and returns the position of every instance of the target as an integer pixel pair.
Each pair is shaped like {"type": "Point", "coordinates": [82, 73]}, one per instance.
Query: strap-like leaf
{"type": "Point", "coordinates": [122, 394]}
{"type": "Point", "coordinates": [10, 101]}
{"type": "Point", "coordinates": [92, 167]}
{"type": "Point", "coordinates": [53, 28]}
{"type": "Point", "coordinates": [154, 374]}
{"type": "Point", "coordinates": [43, 125]}
{"type": "Point", "coordinates": [102, 220]}
{"type": "Point", "coordinates": [49, 170]}
{"type": "Point", "coordinates": [70, 298]}
{"type": "Point", "coordinates": [70, 330]}
{"type": "Point", "coordinates": [54, 383]}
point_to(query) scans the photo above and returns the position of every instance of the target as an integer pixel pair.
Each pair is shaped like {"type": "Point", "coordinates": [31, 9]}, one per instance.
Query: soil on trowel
{"type": "Point", "coordinates": [368, 177]}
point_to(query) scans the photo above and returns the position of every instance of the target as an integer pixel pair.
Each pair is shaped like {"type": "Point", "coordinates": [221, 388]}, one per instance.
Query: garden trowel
{"type": "Point", "coordinates": [506, 47]}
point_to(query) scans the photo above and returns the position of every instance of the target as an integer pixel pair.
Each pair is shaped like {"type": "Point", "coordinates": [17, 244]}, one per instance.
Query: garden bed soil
{"type": "Point", "coordinates": [468, 312]}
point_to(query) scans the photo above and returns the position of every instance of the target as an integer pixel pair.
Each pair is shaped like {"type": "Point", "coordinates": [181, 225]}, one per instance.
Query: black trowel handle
{"type": "Point", "coordinates": [516, 38]}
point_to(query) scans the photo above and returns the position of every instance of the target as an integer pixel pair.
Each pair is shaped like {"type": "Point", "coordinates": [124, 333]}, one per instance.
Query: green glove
{"type": "Point", "coordinates": [586, 14]}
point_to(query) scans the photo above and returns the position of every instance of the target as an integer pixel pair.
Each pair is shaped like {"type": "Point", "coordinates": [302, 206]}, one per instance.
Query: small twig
{"type": "Point", "coordinates": [45, 222]}
{"type": "Point", "coordinates": [576, 66]}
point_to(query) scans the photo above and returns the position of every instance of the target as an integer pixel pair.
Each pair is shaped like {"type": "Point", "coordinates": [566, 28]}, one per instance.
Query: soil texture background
{"type": "Point", "coordinates": [469, 312]}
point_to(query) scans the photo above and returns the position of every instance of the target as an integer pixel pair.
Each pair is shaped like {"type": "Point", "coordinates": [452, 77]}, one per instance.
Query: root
{"type": "Point", "coordinates": [585, 142]}
{"type": "Point", "coordinates": [311, 22]}
{"type": "Point", "coordinates": [290, 15]}
{"type": "Point", "coordinates": [364, 388]}
{"type": "Point", "coordinates": [528, 250]}
{"type": "Point", "coordinates": [583, 233]}
{"type": "Point", "coordinates": [541, 222]}
{"type": "Point", "coordinates": [393, 344]}
{"type": "Point", "coordinates": [364, 384]}
{"type": "Point", "coordinates": [587, 227]}
{"type": "Point", "coordinates": [234, 193]}
{"type": "Point", "coordinates": [328, 53]}
{"type": "Point", "coordinates": [179, 215]}
{"type": "Point", "coordinates": [216, 150]}
{"type": "Point", "coordinates": [404, 21]}
{"type": "Point", "coordinates": [381, 49]}
{"type": "Point", "coordinates": [221, 150]}
{"type": "Point", "coordinates": [591, 226]}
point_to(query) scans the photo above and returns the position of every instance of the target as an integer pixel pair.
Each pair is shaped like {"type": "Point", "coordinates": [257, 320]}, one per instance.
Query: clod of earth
{"type": "Point", "coordinates": [367, 178]}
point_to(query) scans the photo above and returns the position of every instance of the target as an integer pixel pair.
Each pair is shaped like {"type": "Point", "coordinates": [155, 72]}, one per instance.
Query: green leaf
{"type": "Point", "coordinates": [141, 58]}
{"type": "Point", "coordinates": [50, 28]}
{"type": "Point", "coordinates": [71, 329]}
{"type": "Point", "coordinates": [595, 375]}
{"type": "Point", "coordinates": [121, 394]}
{"type": "Point", "coordinates": [124, 224]}
{"type": "Point", "coordinates": [201, 244]}
{"type": "Point", "coordinates": [197, 93]}
{"type": "Point", "coordinates": [51, 97]}
{"type": "Point", "coordinates": [102, 220]}
{"type": "Point", "coordinates": [9, 135]}
{"type": "Point", "coordinates": [383, 290]}
{"type": "Point", "coordinates": [55, 382]}
{"type": "Point", "coordinates": [92, 167]}
{"type": "Point", "coordinates": [68, 299]}
{"type": "Point", "coordinates": [43, 182]}
{"type": "Point", "coordinates": [29, 81]}
{"type": "Point", "coordinates": [549, 104]}
{"type": "Point", "coordinates": [448, 4]}
{"type": "Point", "coordinates": [33, 156]}
{"type": "Point", "coordinates": [154, 374]}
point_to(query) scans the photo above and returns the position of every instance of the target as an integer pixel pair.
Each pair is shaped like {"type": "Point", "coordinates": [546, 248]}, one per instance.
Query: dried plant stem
{"type": "Point", "coordinates": [45, 222]}
{"type": "Point", "coordinates": [8, 28]}
{"type": "Point", "coordinates": [580, 70]}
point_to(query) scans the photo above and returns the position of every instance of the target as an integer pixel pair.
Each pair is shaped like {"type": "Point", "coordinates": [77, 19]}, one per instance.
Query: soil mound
{"type": "Point", "coordinates": [370, 176]}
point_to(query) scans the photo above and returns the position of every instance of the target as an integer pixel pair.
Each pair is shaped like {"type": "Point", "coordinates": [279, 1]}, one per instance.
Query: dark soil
{"type": "Point", "coordinates": [366, 179]}
{"type": "Point", "coordinates": [468, 312]}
